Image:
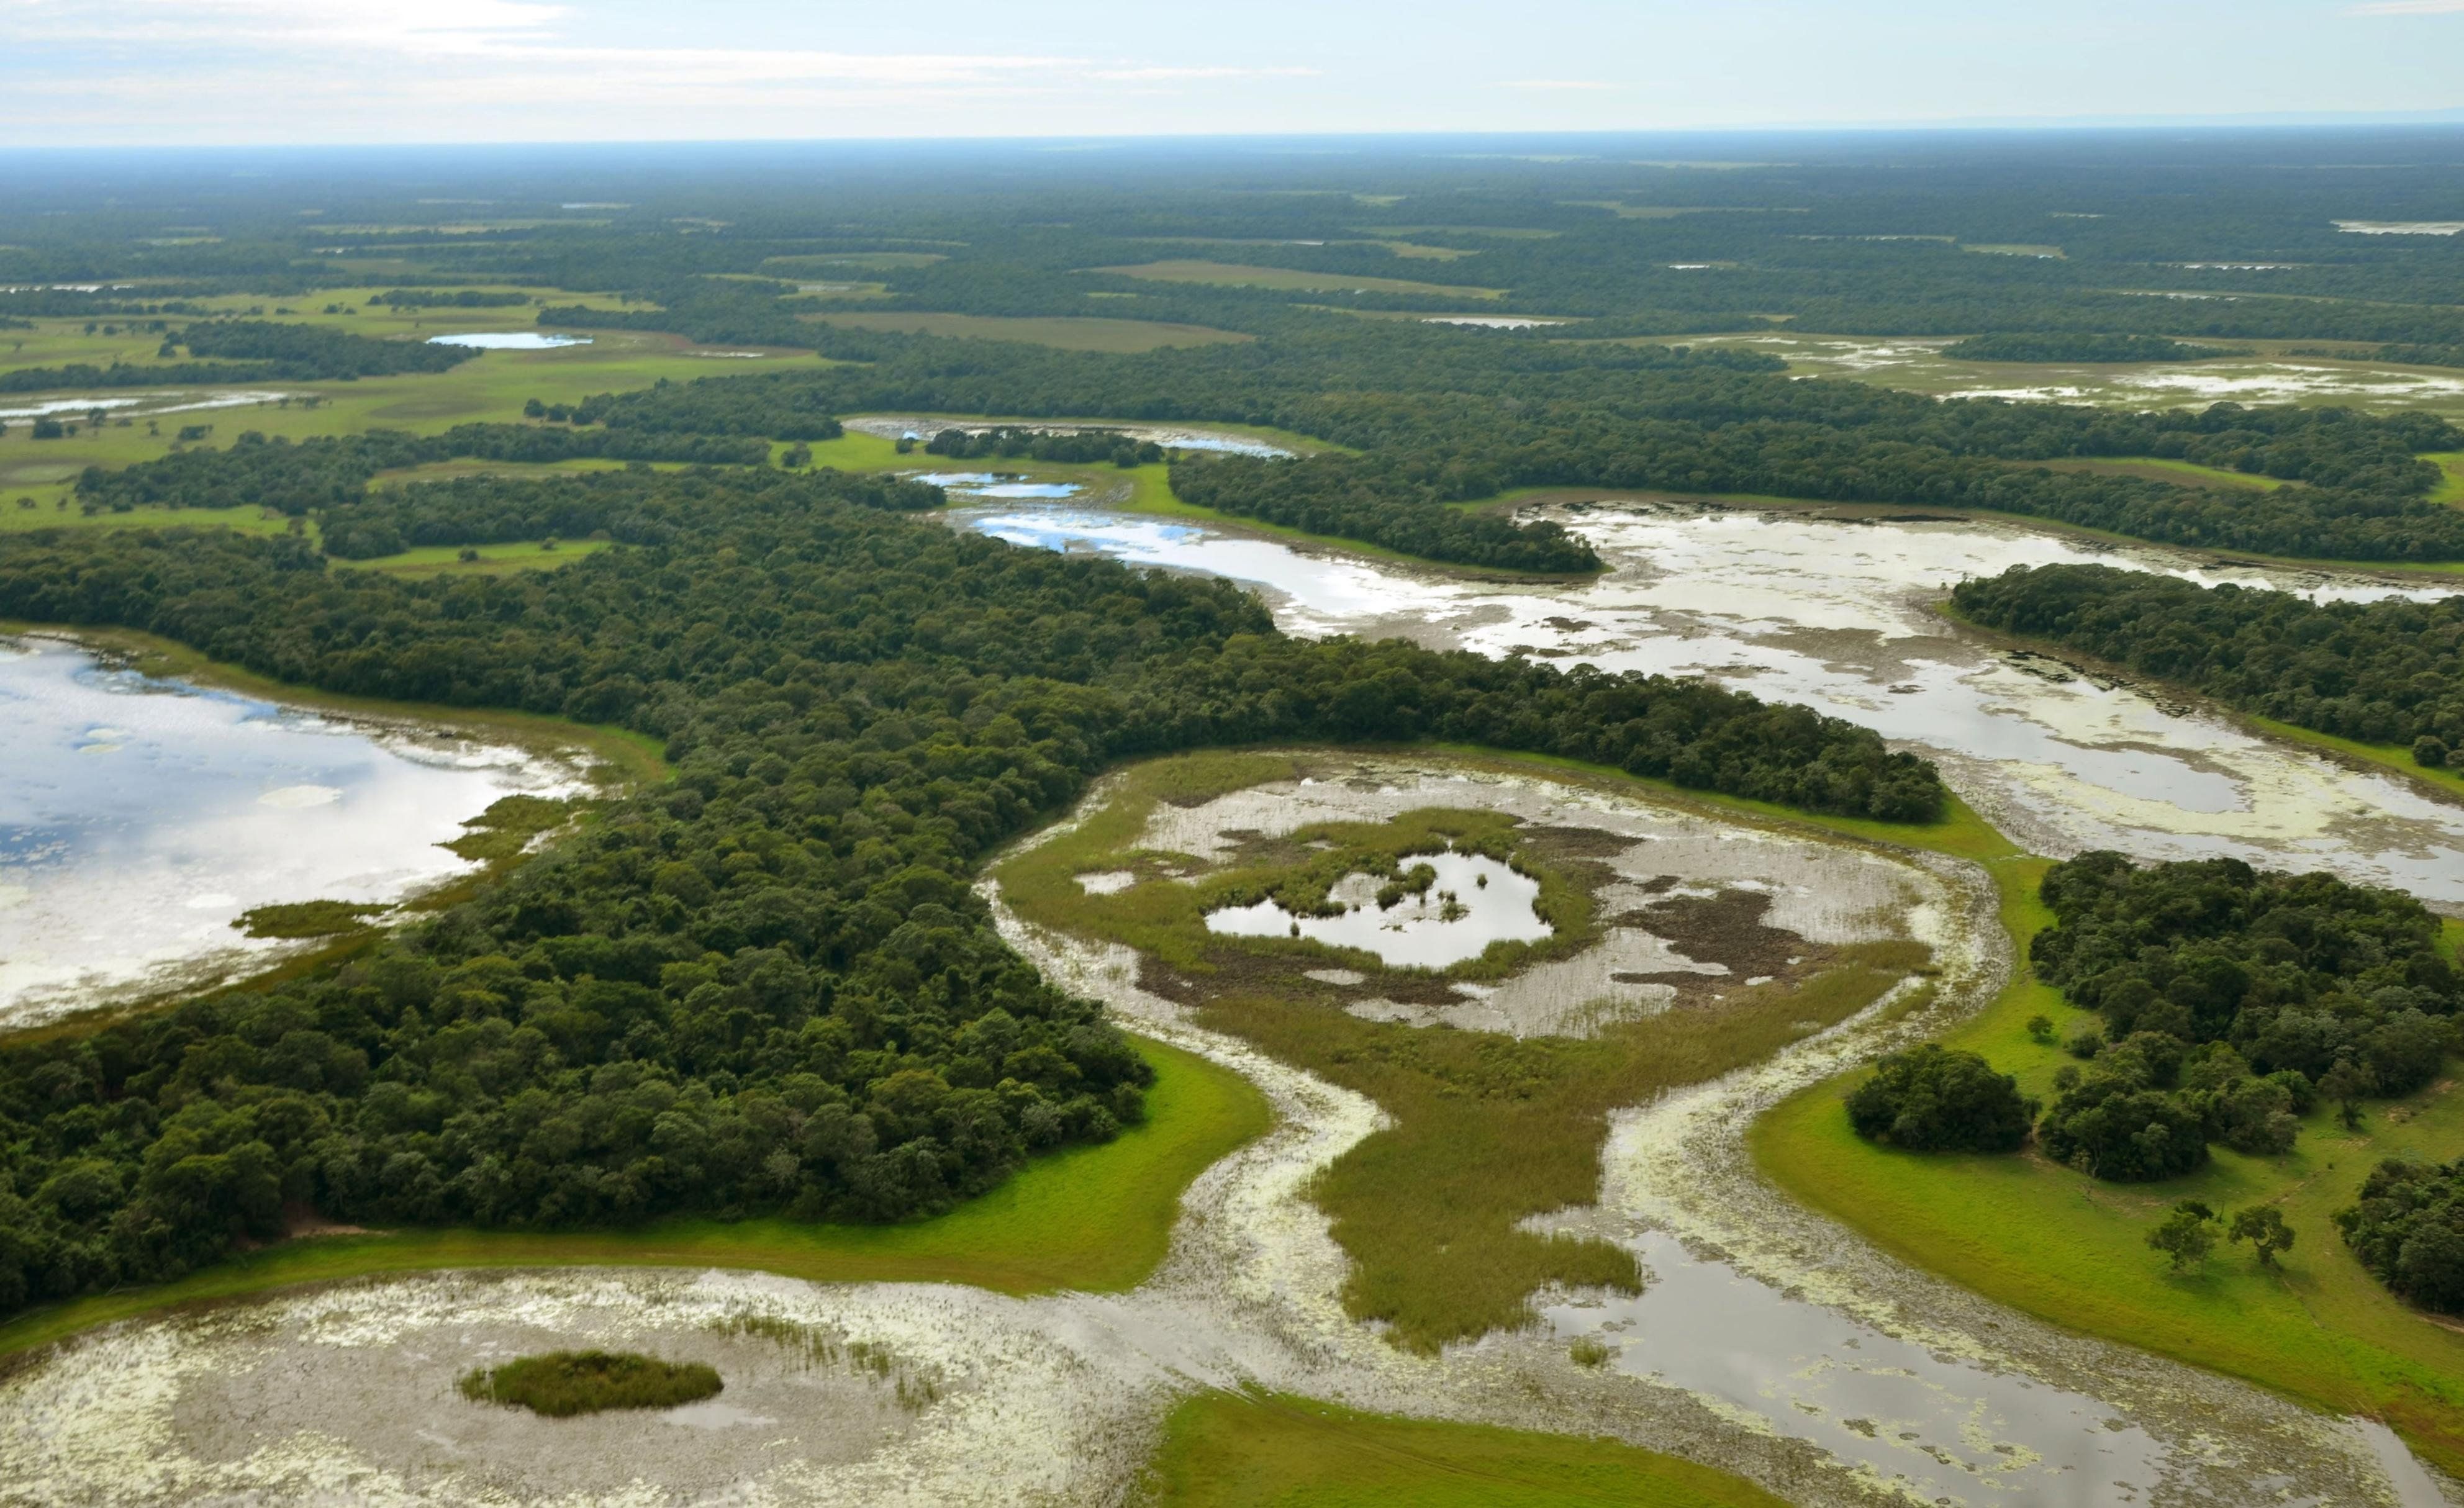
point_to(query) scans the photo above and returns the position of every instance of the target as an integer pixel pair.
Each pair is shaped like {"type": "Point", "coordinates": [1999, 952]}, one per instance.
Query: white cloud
{"type": "Point", "coordinates": [1559, 83]}
{"type": "Point", "coordinates": [2408, 8]}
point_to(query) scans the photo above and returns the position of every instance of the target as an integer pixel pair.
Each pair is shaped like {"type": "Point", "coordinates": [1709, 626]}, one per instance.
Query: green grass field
{"type": "Point", "coordinates": [1488, 1128]}
{"type": "Point", "coordinates": [1229, 274]}
{"type": "Point", "coordinates": [2450, 491]}
{"type": "Point", "coordinates": [1062, 331]}
{"type": "Point", "coordinates": [1091, 1218]}
{"type": "Point", "coordinates": [2059, 1245]}
{"type": "Point", "coordinates": [2157, 468]}
{"type": "Point", "coordinates": [491, 385]}
{"type": "Point", "coordinates": [1273, 1451]}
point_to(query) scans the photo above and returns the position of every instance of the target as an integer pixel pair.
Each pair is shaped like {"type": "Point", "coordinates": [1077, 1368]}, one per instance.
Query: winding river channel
{"type": "Point", "coordinates": [1769, 1340]}
{"type": "Point", "coordinates": [1841, 616]}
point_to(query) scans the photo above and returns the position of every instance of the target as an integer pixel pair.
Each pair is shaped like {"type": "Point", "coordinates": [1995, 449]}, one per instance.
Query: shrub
{"type": "Point", "coordinates": [1934, 1099]}
{"type": "Point", "coordinates": [562, 1383]}
{"type": "Point", "coordinates": [2431, 752]}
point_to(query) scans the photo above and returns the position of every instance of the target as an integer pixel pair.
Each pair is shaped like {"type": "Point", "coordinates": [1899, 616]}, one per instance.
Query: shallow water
{"type": "Point", "coordinates": [1934, 1425]}
{"type": "Point", "coordinates": [1839, 615]}
{"type": "Point", "coordinates": [510, 339]}
{"type": "Point", "coordinates": [1171, 437]}
{"type": "Point", "coordinates": [1494, 902]}
{"type": "Point", "coordinates": [995, 484]}
{"type": "Point", "coordinates": [1919, 365]}
{"type": "Point", "coordinates": [140, 817]}
{"type": "Point", "coordinates": [138, 404]}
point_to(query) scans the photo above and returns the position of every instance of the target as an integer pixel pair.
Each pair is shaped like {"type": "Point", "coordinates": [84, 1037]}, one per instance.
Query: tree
{"type": "Point", "coordinates": [2263, 1227]}
{"type": "Point", "coordinates": [2347, 1084]}
{"type": "Point", "coordinates": [1931, 1099]}
{"type": "Point", "coordinates": [2187, 1235]}
{"type": "Point", "coordinates": [2431, 752]}
{"type": "Point", "coordinates": [2041, 1029]}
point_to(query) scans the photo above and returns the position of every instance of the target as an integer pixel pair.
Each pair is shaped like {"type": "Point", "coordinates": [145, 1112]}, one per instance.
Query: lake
{"type": "Point", "coordinates": [140, 817]}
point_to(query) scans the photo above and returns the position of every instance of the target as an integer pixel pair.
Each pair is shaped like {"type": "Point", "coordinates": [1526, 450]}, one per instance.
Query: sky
{"type": "Point", "coordinates": [89, 73]}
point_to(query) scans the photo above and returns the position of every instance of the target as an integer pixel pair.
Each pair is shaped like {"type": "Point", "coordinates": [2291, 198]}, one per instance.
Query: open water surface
{"type": "Point", "coordinates": [140, 817]}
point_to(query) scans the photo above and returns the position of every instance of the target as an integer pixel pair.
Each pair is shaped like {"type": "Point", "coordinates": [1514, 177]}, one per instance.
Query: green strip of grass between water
{"type": "Point", "coordinates": [1274, 1450]}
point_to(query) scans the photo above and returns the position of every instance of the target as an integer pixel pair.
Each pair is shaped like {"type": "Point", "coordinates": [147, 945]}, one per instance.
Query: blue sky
{"type": "Point", "coordinates": [198, 72]}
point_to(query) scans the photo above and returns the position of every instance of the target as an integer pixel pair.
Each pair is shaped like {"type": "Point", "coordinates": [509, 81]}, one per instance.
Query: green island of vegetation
{"type": "Point", "coordinates": [559, 1385]}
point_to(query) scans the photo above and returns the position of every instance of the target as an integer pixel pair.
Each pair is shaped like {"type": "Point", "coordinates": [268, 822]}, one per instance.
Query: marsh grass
{"type": "Point", "coordinates": [1251, 1449]}
{"type": "Point", "coordinates": [306, 919]}
{"type": "Point", "coordinates": [562, 1383]}
{"type": "Point", "coordinates": [814, 1348]}
{"type": "Point", "coordinates": [1488, 1130]}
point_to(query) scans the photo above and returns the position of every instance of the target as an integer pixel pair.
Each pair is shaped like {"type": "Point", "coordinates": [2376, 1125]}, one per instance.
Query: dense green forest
{"type": "Point", "coordinates": [1447, 420]}
{"type": "Point", "coordinates": [2390, 672]}
{"type": "Point", "coordinates": [2407, 1229]}
{"type": "Point", "coordinates": [2231, 999]}
{"type": "Point", "coordinates": [766, 986]}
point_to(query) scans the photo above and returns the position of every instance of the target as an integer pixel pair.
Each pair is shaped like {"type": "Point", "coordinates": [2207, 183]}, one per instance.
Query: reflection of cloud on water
{"type": "Point", "coordinates": [207, 803]}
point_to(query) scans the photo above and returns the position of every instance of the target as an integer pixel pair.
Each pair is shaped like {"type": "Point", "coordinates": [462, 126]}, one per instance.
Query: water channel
{"type": "Point", "coordinates": [1839, 615]}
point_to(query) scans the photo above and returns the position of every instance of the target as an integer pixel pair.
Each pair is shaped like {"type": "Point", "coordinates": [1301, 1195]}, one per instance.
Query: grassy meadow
{"type": "Point", "coordinates": [1090, 1218]}
{"type": "Point", "coordinates": [1273, 1451]}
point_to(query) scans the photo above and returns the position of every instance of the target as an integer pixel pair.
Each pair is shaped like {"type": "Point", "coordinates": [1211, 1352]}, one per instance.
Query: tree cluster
{"type": "Point", "coordinates": [1079, 445]}
{"type": "Point", "coordinates": [2390, 672]}
{"type": "Point", "coordinates": [2407, 1229]}
{"type": "Point", "coordinates": [1930, 1099]}
{"type": "Point", "coordinates": [2231, 999]}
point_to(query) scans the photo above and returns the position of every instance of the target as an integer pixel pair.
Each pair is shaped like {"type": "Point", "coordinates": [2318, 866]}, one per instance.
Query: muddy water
{"type": "Point", "coordinates": [1839, 616]}
{"type": "Point", "coordinates": [140, 817]}
{"type": "Point", "coordinates": [1749, 1350]}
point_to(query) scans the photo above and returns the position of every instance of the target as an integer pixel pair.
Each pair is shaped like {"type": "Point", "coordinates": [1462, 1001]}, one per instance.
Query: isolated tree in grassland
{"type": "Point", "coordinates": [2187, 1235]}
{"type": "Point", "coordinates": [2347, 1084]}
{"type": "Point", "coordinates": [2263, 1227]}
{"type": "Point", "coordinates": [1931, 1099]}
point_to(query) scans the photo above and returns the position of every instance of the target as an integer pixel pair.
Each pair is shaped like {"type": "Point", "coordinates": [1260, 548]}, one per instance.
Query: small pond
{"type": "Point", "coordinates": [140, 817]}
{"type": "Point", "coordinates": [1474, 902]}
{"type": "Point", "coordinates": [510, 339]}
{"type": "Point", "coordinates": [996, 484]}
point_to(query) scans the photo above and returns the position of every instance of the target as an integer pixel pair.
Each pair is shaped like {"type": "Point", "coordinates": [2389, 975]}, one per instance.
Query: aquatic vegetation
{"type": "Point", "coordinates": [562, 1383]}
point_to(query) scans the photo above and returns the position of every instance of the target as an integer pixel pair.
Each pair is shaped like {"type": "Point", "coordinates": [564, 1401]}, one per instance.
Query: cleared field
{"type": "Point", "coordinates": [1062, 332]}
{"type": "Point", "coordinates": [2157, 468]}
{"type": "Point", "coordinates": [2450, 491]}
{"type": "Point", "coordinates": [1228, 274]}
{"type": "Point", "coordinates": [488, 559]}
{"type": "Point", "coordinates": [491, 385]}
{"type": "Point", "coordinates": [1091, 1218]}
{"type": "Point", "coordinates": [1272, 1450]}
{"type": "Point", "coordinates": [2060, 1245]}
